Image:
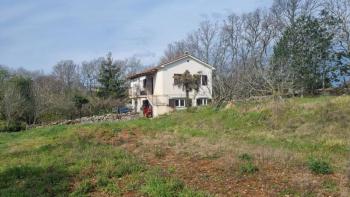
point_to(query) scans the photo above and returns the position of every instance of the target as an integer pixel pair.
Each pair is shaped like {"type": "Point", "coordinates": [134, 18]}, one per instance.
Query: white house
{"type": "Point", "coordinates": [155, 87]}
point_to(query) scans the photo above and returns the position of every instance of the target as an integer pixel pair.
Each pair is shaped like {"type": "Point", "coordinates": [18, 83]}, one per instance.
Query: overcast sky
{"type": "Point", "coordinates": [35, 34]}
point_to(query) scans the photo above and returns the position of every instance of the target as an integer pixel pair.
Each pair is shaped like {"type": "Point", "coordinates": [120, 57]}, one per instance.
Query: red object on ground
{"type": "Point", "coordinates": [147, 112]}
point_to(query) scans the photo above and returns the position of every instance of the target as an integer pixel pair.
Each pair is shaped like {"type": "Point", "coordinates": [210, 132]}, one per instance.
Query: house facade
{"type": "Point", "coordinates": [156, 88]}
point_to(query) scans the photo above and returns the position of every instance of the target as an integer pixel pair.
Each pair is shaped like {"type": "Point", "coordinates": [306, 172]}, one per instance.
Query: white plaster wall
{"type": "Point", "coordinates": [167, 87]}
{"type": "Point", "coordinates": [164, 87]}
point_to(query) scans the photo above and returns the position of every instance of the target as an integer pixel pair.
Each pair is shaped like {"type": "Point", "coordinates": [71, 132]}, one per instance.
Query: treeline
{"type": "Point", "coordinates": [70, 91]}
{"type": "Point", "coordinates": [295, 47]}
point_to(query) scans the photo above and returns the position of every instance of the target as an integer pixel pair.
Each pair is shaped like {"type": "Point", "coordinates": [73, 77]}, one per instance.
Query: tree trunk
{"type": "Point", "coordinates": [187, 99]}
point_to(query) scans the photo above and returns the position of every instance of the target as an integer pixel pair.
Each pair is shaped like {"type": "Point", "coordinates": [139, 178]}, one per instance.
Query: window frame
{"type": "Point", "coordinates": [179, 103]}
{"type": "Point", "coordinates": [203, 101]}
{"type": "Point", "coordinates": [204, 82]}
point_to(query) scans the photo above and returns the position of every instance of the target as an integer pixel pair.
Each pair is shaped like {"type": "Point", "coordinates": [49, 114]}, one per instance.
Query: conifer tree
{"type": "Point", "coordinates": [111, 79]}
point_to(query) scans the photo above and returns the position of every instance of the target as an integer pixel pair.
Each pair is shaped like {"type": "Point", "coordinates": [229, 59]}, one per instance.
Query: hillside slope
{"type": "Point", "coordinates": [298, 147]}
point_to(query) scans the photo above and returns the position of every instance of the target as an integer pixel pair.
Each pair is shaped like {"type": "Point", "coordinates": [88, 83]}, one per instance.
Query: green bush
{"type": "Point", "coordinates": [248, 168]}
{"type": "Point", "coordinates": [319, 166]}
{"type": "Point", "coordinates": [13, 126]}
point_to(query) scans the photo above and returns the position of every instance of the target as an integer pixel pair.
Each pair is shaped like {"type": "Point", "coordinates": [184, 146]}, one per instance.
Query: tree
{"type": "Point", "coordinates": [18, 100]}
{"type": "Point", "coordinates": [340, 10]}
{"type": "Point", "coordinates": [111, 79]}
{"type": "Point", "coordinates": [188, 83]}
{"type": "Point", "coordinates": [303, 52]}
{"type": "Point", "coordinates": [79, 101]}
{"type": "Point", "coordinates": [90, 73]}
{"type": "Point", "coordinates": [66, 71]}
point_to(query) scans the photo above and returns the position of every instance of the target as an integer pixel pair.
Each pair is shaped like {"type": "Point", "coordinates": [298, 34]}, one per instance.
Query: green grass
{"type": "Point", "coordinates": [71, 160]}
{"type": "Point", "coordinates": [63, 161]}
{"type": "Point", "coordinates": [310, 126]}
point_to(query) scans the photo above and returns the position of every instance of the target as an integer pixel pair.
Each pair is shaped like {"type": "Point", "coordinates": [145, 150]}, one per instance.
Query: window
{"type": "Point", "coordinates": [180, 102]}
{"type": "Point", "coordinates": [177, 78]}
{"type": "Point", "coordinates": [202, 101]}
{"type": "Point", "coordinates": [144, 83]}
{"type": "Point", "coordinates": [204, 80]}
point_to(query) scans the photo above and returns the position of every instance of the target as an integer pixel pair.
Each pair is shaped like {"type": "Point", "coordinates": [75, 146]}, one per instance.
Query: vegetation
{"type": "Point", "coordinates": [70, 91]}
{"type": "Point", "coordinates": [188, 83]}
{"type": "Point", "coordinates": [285, 141]}
{"type": "Point", "coordinates": [294, 47]}
{"type": "Point", "coordinates": [319, 166]}
{"type": "Point", "coordinates": [112, 83]}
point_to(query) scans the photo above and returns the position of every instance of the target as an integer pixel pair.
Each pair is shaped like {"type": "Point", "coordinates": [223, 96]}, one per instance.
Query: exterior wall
{"type": "Point", "coordinates": [136, 85]}
{"type": "Point", "coordinates": [172, 91]}
{"type": "Point", "coordinates": [164, 88]}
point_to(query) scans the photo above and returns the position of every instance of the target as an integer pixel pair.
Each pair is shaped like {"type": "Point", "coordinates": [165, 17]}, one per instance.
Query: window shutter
{"type": "Point", "coordinates": [172, 103]}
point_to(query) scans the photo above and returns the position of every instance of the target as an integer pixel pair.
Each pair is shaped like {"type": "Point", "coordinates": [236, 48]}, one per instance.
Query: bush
{"type": "Point", "coordinates": [319, 166]}
{"type": "Point", "coordinates": [248, 168]}
{"type": "Point", "coordinates": [13, 126]}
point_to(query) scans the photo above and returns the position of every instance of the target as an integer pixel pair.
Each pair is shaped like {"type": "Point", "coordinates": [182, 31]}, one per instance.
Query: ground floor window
{"type": "Point", "coordinates": [180, 103]}
{"type": "Point", "coordinates": [202, 101]}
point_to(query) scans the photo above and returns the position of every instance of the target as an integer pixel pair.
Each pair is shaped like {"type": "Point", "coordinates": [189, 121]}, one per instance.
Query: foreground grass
{"type": "Point", "coordinates": [309, 134]}
{"type": "Point", "coordinates": [61, 161]}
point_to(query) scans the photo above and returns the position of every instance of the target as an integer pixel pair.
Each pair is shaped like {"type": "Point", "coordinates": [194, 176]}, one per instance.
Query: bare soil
{"type": "Point", "coordinates": [219, 174]}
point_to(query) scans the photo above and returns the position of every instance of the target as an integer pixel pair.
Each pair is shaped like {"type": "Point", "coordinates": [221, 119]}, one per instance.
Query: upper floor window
{"type": "Point", "coordinates": [144, 83]}
{"type": "Point", "coordinates": [204, 80]}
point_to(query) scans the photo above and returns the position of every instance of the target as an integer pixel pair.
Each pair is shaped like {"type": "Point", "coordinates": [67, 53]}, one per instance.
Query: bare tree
{"type": "Point", "coordinates": [89, 72]}
{"type": "Point", "coordinates": [67, 72]}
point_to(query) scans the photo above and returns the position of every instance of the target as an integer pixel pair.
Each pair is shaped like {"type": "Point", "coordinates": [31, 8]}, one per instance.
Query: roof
{"type": "Point", "coordinates": [155, 69]}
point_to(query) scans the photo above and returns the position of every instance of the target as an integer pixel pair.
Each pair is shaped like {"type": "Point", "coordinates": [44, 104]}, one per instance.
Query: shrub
{"type": "Point", "coordinates": [248, 168]}
{"type": "Point", "coordinates": [319, 166]}
{"type": "Point", "coordinates": [13, 126]}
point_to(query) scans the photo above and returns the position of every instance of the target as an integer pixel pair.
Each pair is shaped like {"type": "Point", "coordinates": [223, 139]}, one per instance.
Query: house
{"type": "Point", "coordinates": [155, 89]}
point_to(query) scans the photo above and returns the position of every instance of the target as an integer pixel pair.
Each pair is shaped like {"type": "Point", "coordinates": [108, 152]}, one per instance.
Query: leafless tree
{"type": "Point", "coordinates": [67, 72]}
{"type": "Point", "coordinates": [89, 72]}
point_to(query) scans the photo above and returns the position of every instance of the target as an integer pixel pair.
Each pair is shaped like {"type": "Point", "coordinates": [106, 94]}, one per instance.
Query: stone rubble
{"type": "Point", "coordinates": [101, 118]}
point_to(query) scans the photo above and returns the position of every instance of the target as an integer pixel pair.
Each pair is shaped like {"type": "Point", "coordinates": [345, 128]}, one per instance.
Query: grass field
{"type": "Point", "coordinates": [296, 147]}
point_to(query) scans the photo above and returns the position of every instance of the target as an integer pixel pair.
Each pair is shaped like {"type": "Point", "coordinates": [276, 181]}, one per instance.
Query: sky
{"type": "Point", "coordinates": [36, 34]}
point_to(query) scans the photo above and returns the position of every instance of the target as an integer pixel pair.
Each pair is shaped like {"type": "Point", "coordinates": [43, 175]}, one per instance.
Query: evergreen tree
{"type": "Point", "coordinates": [303, 53]}
{"type": "Point", "coordinates": [111, 79]}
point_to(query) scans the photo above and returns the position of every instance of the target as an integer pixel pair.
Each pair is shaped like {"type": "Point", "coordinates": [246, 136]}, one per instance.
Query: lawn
{"type": "Point", "coordinates": [295, 147]}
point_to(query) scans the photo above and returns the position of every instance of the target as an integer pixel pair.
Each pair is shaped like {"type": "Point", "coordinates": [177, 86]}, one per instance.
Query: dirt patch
{"type": "Point", "coordinates": [217, 170]}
